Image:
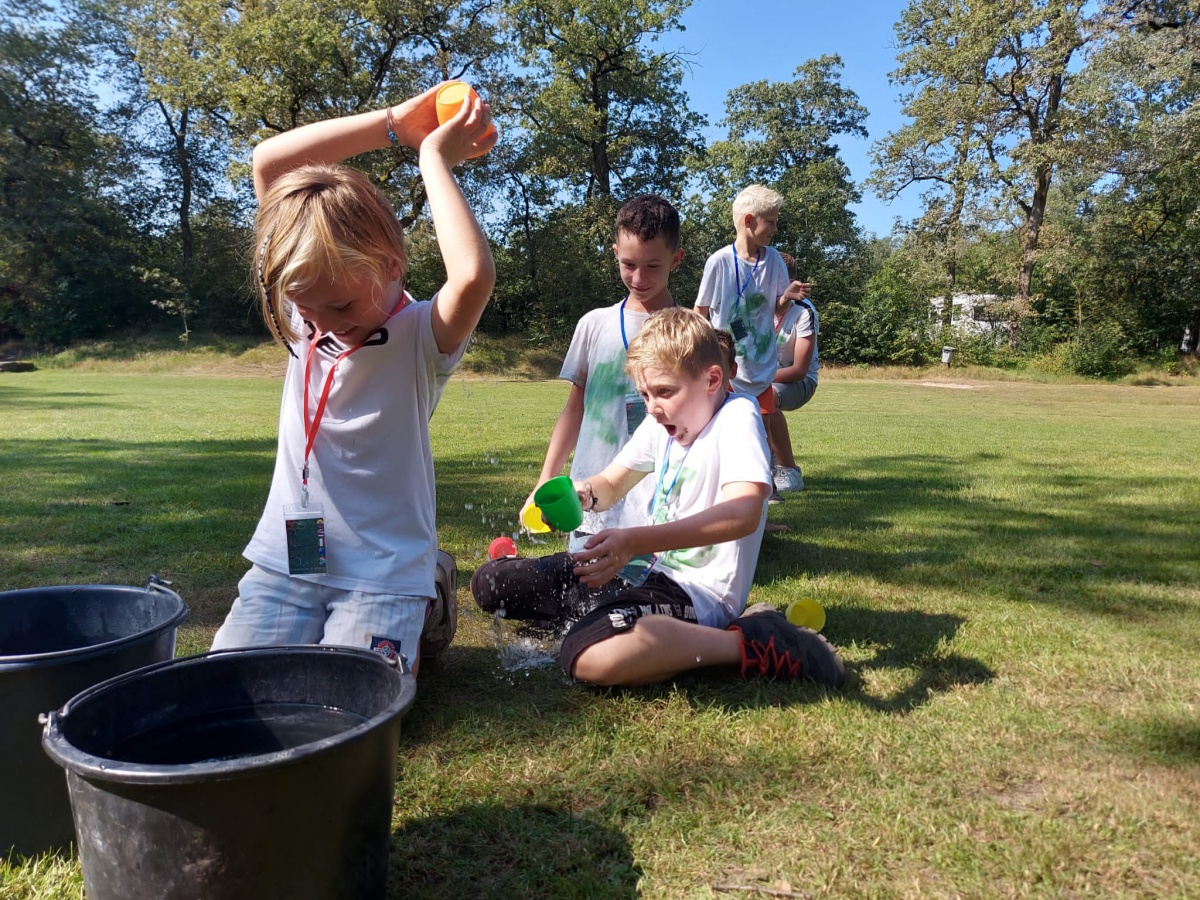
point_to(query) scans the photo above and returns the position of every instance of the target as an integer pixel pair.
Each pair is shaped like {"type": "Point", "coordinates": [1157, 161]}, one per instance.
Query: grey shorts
{"type": "Point", "coordinates": [794, 394]}
{"type": "Point", "coordinates": [273, 609]}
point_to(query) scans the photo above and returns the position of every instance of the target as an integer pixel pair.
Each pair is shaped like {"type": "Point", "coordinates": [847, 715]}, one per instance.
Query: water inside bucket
{"type": "Point", "coordinates": [234, 733]}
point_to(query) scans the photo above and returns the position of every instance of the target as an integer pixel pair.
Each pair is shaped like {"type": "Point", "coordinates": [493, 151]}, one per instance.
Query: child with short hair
{"type": "Point", "coordinates": [645, 603]}
{"type": "Point", "coordinates": [740, 287]}
{"type": "Point", "coordinates": [796, 327]}
{"type": "Point", "coordinates": [346, 549]}
{"type": "Point", "coordinates": [603, 408]}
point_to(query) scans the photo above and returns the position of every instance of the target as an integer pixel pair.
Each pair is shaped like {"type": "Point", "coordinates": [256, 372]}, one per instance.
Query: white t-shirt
{"type": "Point", "coordinates": [750, 316]}
{"type": "Point", "coordinates": [732, 447]}
{"type": "Point", "coordinates": [595, 362]}
{"type": "Point", "coordinates": [799, 321]}
{"type": "Point", "coordinates": [371, 467]}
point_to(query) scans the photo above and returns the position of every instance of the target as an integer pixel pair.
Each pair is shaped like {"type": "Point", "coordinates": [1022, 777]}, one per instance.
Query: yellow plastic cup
{"type": "Point", "coordinates": [531, 519]}
{"type": "Point", "coordinates": [806, 613]}
{"type": "Point", "coordinates": [449, 101]}
{"type": "Point", "coordinates": [559, 504]}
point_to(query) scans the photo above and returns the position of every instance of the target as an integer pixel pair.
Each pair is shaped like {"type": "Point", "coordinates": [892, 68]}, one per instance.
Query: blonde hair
{"type": "Point", "coordinates": [757, 200]}
{"type": "Point", "coordinates": [676, 340]}
{"type": "Point", "coordinates": [322, 222]}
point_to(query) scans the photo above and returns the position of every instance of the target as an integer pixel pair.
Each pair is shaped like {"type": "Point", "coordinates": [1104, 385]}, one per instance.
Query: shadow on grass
{"type": "Point", "coordinates": [1037, 534]}
{"type": "Point", "coordinates": [25, 401]}
{"type": "Point", "coordinates": [495, 850]}
{"type": "Point", "coordinates": [1171, 741]}
{"type": "Point", "coordinates": [113, 512]}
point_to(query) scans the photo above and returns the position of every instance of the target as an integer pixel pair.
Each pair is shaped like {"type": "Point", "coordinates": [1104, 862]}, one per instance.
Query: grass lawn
{"type": "Point", "coordinates": [1012, 571]}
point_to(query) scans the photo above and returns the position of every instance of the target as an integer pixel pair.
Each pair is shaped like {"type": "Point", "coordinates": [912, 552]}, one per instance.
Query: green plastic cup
{"type": "Point", "coordinates": [559, 504]}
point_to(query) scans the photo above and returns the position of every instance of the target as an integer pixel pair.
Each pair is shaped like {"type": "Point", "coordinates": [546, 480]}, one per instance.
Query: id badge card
{"type": "Point", "coordinates": [305, 528]}
{"type": "Point", "coordinates": [635, 572]}
{"type": "Point", "coordinates": [635, 411]}
{"type": "Point", "coordinates": [738, 328]}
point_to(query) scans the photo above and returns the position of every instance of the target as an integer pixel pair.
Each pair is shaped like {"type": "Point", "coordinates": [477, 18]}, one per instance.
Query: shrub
{"type": "Point", "coordinates": [1099, 350]}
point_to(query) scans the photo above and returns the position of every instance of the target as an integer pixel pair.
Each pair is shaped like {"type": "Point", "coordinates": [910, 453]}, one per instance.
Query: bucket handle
{"type": "Point", "coordinates": [156, 583]}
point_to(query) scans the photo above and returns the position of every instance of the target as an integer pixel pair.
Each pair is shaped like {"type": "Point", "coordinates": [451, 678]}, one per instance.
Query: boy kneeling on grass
{"type": "Point", "coordinates": [644, 604]}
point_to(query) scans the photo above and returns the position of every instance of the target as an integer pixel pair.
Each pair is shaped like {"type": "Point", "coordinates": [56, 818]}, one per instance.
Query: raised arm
{"type": "Point", "coordinates": [336, 140]}
{"type": "Point", "coordinates": [470, 271]}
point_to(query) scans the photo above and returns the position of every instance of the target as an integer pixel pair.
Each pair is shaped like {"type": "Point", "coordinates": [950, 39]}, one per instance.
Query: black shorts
{"type": "Point", "coordinates": [544, 591]}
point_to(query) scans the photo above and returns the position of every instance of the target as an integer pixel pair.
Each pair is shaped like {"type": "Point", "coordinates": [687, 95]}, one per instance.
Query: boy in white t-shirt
{"type": "Point", "coordinates": [740, 287]}
{"type": "Point", "coordinates": [644, 603]}
{"type": "Point", "coordinates": [603, 409]}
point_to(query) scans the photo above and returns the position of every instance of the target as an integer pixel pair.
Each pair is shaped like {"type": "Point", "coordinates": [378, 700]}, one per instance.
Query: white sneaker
{"type": "Point", "coordinates": [787, 479]}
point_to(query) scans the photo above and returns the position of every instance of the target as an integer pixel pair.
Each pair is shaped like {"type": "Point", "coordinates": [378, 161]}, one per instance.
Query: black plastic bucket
{"type": "Point", "coordinates": [236, 774]}
{"type": "Point", "coordinates": [54, 643]}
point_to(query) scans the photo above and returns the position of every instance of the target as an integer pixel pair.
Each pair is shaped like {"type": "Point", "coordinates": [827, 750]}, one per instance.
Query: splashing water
{"type": "Point", "coordinates": [519, 653]}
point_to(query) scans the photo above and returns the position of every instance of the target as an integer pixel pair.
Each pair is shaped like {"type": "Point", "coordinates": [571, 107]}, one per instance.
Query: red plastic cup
{"type": "Point", "coordinates": [502, 547]}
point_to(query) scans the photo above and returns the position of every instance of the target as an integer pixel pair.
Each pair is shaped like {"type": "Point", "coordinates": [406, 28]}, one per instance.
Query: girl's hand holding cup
{"type": "Point", "coordinates": [456, 101]}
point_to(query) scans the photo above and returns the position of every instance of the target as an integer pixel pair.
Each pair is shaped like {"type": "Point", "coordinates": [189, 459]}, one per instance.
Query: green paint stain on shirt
{"type": "Point", "coordinates": [604, 396]}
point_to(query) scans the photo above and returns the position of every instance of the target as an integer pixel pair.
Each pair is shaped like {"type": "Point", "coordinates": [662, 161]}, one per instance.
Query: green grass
{"type": "Point", "coordinates": [1011, 571]}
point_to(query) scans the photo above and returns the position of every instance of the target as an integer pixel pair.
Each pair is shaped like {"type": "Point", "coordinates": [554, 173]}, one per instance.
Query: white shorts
{"type": "Point", "coordinates": [794, 394]}
{"type": "Point", "coordinates": [273, 609]}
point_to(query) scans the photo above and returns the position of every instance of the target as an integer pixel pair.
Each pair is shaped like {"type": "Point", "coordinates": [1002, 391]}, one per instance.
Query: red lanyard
{"type": "Point", "coordinates": [312, 427]}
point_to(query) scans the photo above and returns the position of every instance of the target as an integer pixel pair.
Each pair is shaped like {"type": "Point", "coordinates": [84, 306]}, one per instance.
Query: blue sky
{"type": "Point", "coordinates": [737, 43]}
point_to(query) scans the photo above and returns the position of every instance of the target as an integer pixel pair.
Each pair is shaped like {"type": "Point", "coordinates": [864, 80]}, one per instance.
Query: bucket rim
{"type": "Point", "coordinates": [100, 768]}
{"type": "Point", "coordinates": [9, 662]}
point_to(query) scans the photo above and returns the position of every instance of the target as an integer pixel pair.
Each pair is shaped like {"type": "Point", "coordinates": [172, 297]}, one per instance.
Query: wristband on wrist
{"type": "Point", "coordinates": [595, 499]}
{"type": "Point", "coordinates": [391, 127]}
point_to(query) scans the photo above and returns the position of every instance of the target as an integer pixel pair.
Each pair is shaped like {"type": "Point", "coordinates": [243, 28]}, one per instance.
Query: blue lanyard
{"type": "Point", "coordinates": [667, 464]}
{"type": "Point", "coordinates": [624, 340]}
{"type": "Point", "coordinates": [737, 269]}
{"type": "Point", "coordinates": [663, 472]}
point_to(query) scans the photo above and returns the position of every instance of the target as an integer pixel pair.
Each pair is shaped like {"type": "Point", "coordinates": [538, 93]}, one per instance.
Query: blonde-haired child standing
{"type": "Point", "coordinates": [346, 549]}
{"type": "Point", "coordinates": [740, 287]}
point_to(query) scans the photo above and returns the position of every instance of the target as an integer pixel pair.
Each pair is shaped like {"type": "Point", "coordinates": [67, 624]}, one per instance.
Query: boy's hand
{"type": "Point", "coordinates": [798, 290]}
{"type": "Point", "coordinates": [466, 135]}
{"type": "Point", "coordinates": [603, 556]}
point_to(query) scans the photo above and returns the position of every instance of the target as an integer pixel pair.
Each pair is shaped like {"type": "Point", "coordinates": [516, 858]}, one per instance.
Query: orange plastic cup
{"type": "Point", "coordinates": [449, 100]}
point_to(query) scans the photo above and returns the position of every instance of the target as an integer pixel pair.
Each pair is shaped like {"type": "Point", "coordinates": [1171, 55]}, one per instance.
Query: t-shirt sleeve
{"type": "Point", "coordinates": [640, 451]}
{"type": "Point", "coordinates": [804, 323]}
{"type": "Point", "coordinates": [441, 364]}
{"type": "Point", "coordinates": [742, 444]}
{"type": "Point", "coordinates": [710, 284]}
{"type": "Point", "coordinates": [575, 365]}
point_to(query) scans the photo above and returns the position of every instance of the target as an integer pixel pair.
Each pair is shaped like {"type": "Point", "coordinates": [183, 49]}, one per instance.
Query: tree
{"type": "Point", "coordinates": [157, 55]}
{"type": "Point", "coordinates": [1013, 60]}
{"type": "Point", "coordinates": [66, 246]}
{"type": "Point", "coordinates": [604, 110]}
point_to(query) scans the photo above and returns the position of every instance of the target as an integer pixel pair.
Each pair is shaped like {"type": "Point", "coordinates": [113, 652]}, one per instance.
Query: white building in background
{"type": "Point", "coordinates": [982, 315]}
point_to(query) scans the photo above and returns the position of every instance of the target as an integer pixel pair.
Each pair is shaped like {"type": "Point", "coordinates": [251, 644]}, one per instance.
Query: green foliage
{"type": "Point", "coordinates": [556, 268]}
{"type": "Point", "coordinates": [601, 105]}
{"type": "Point", "coordinates": [1098, 350]}
{"type": "Point", "coordinates": [889, 326]}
